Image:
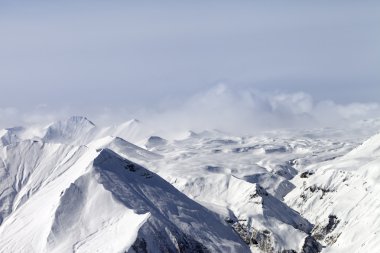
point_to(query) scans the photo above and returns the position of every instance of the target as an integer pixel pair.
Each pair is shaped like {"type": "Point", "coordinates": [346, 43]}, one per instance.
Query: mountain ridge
{"type": "Point", "coordinates": [78, 187]}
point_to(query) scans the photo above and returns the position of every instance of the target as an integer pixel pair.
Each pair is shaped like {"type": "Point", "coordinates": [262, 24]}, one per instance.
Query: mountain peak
{"type": "Point", "coordinates": [74, 128]}
{"type": "Point", "coordinates": [79, 119]}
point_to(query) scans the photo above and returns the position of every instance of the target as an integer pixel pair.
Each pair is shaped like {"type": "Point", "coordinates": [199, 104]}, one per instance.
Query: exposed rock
{"type": "Point", "coordinates": [140, 246]}
{"type": "Point", "coordinates": [263, 240]}
{"type": "Point", "coordinates": [315, 189]}
{"type": "Point", "coordinates": [306, 174]}
{"type": "Point", "coordinates": [243, 231]}
{"type": "Point", "coordinates": [260, 239]}
{"type": "Point", "coordinates": [229, 220]}
{"type": "Point", "coordinates": [260, 192]}
{"type": "Point", "coordinates": [311, 245]}
{"type": "Point", "coordinates": [321, 231]}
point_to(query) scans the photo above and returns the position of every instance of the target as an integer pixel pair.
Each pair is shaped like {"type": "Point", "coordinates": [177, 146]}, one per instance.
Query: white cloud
{"type": "Point", "coordinates": [222, 107]}
{"type": "Point", "coordinates": [246, 111]}
{"type": "Point", "coordinates": [359, 110]}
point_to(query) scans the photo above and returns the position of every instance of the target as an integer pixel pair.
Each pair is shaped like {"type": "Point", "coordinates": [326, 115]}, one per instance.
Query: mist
{"type": "Point", "coordinates": [222, 107]}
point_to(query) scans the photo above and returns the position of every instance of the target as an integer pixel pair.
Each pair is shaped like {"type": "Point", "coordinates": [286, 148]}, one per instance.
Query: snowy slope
{"type": "Point", "coordinates": [8, 136]}
{"type": "Point", "coordinates": [342, 198]}
{"type": "Point", "coordinates": [73, 186]}
{"type": "Point", "coordinates": [61, 198]}
{"type": "Point", "coordinates": [234, 177]}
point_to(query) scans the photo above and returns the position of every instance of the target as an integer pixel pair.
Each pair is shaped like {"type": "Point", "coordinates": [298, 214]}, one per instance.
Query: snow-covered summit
{"type": "Point", "coordinates": [112, 198]}
{"type": "Point", "coordinates": [73, 129]}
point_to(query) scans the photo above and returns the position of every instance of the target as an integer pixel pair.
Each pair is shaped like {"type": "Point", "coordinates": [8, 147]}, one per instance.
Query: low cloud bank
{"type": "Point", "coordinates": [247, 111]}
{"type": "Point", "coordinates": [221, 107]}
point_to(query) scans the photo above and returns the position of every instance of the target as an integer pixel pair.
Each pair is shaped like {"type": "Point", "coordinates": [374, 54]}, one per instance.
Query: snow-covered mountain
{"type": "Point", "coordinates": [75, 187]}
{"type": "Point", "coordinates": [341, 197]}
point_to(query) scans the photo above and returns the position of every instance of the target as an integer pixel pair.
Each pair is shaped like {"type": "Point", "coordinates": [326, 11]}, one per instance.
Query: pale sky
{"type": "Point", "coordinates": [89, 55]}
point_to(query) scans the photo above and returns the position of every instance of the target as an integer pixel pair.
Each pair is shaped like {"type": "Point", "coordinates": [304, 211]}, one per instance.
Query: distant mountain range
{"type": "Point", "coordinates": [72, 186]}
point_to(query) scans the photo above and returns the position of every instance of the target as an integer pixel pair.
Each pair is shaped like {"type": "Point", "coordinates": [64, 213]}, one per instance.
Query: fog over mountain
{"type": "Point", "coordinates": [191, 126]}
{"type": "Point", "coordinates": [223, 107]}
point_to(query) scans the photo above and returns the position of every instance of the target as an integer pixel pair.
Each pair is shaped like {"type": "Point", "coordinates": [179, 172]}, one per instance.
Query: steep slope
{"type": "Point", "coordinates": [26, 166]}
{"type": "Point", "coordinates": [66, 211]}
{"type": "Point", "coordinates": [245, 180]}
{"type": "Point", "coordinates": [341, 198]}
{"type": "Point", "coordinates": [60, 198]}
{"type": "Point", "coordinates": [105, 225]}
{"type": "Point", "coordinates": [144, 191]}
{"type": "Point", "coordinates": [253, 212]}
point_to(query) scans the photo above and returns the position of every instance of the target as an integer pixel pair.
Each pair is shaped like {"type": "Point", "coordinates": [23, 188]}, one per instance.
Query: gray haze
{"type": "Point", "coordinates": [139, 58]}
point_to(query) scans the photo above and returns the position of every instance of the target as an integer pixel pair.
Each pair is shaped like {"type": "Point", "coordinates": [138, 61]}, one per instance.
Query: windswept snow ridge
{"type": "Point", "coordinates": [75, 187]}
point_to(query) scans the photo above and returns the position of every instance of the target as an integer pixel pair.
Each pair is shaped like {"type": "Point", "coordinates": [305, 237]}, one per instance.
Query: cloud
{"type": "Point", "coordinates": [223, 107]}
{"type": "Point", "coordinates": [40, 115]}
{"type": "Point", "coordinates": [247, 111]}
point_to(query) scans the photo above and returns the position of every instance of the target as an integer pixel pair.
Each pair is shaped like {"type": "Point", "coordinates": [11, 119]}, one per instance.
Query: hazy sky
{"type": "Point", "coordinates": [128, 55]}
